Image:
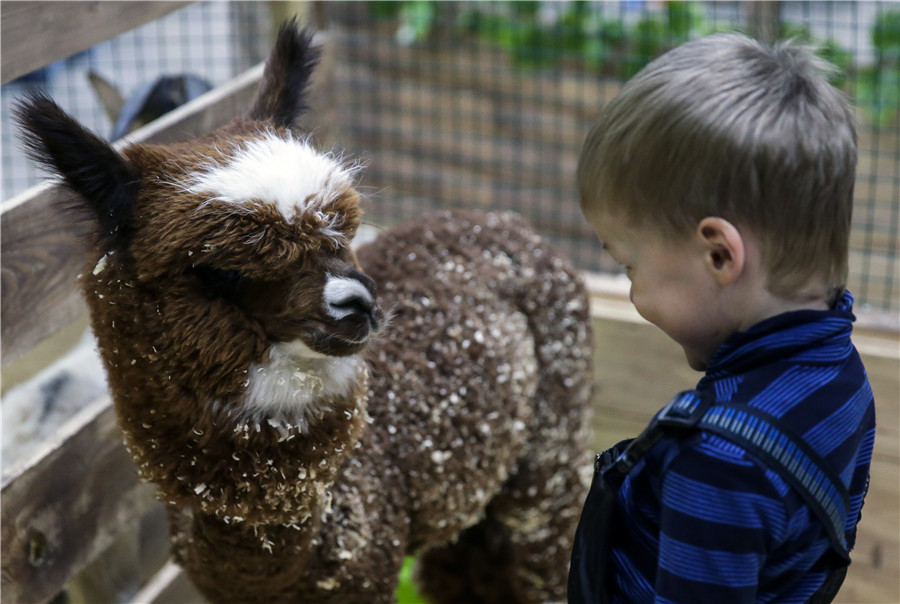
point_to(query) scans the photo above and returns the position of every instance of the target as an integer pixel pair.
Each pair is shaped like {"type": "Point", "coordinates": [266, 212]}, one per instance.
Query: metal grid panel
{"type": "Point", "coordinates": [458, 104]}
{"type": "Point", "coordinates": [213, 40]}
{"type": "Point", "coordinates": [462, 104]}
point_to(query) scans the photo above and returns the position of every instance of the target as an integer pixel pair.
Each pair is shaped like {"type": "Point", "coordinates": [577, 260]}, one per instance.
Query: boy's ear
{"type": "Point", "coordinates": [106, 181]}
{"type": "Point", "coordinates": [723, 247]}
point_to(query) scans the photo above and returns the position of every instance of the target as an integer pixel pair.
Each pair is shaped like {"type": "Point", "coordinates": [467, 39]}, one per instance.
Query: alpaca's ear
{"type": "Point", "coordinates": [281, 96]}
{"type": "Point", "coordinates": [106, 181]}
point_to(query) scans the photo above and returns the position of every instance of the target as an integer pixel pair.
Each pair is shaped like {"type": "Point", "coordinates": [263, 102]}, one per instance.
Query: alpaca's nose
{"type": "Point", "coordinates": [351, 305]}
{"type": "Point", "coordinates": [352, 294]}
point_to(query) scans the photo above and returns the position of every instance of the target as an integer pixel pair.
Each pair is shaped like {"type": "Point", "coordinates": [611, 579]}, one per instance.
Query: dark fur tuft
{"type": "Point", "coordinates": [281, 97]}
{"type": "Point", "coordinates": [106, 181]}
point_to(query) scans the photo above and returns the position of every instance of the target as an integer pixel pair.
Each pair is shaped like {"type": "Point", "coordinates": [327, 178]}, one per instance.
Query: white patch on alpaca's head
{"type": "Point", "coordinates": [282, 171]}
{"type": "Point", "coordinates": [343, 296]}
{"type": "Point", "coordinates": [296, 383]}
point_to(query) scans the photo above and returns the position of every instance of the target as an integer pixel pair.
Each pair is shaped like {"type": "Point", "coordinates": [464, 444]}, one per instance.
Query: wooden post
{"type": "Point", "coordinates": [282, 10]}
{"type": "Point", "coordinates": [764, 19]}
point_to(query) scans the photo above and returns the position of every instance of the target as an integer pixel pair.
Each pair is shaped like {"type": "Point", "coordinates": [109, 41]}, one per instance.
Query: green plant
{"type": "Point", "coordinates": [516, 27]}
{"type": "Point", "coordinates": [829, 50]}
{"type": "Point", "coordinates": [886, 36]}
{"type": "Point", "coordinates": [416, 18]}
{"type": "Point", "coordinates": [878, 87]}
{"type": "Point", "coordinates": [877, 92]}
{"type": "Point", "coordinates": [407, 593]}
{"type": "Point", "coordinates": [611, 47]}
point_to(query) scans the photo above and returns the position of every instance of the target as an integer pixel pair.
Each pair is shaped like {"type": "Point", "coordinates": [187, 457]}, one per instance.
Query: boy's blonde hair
{"type": "Point", "coordinates": [725, 126]}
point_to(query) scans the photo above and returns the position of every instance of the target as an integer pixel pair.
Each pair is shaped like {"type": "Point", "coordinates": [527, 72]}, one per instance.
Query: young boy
{"type": "Point", "coordinates": [721, 178]}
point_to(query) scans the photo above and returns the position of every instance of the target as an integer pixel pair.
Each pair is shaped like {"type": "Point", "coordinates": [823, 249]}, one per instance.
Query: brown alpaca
{"type": "Point", "coordinates": [301, 460]}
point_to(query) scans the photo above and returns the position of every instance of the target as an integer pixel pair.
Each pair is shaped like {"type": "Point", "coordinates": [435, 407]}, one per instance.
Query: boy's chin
{"type": "Point", "coordinates": [696, 361]}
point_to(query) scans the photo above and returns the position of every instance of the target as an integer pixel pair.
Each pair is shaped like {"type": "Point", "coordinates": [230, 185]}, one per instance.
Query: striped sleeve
{"type": "Point", "coordinates": [720, 517]}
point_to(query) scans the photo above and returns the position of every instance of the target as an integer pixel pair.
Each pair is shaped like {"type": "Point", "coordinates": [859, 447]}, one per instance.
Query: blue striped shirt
{"type": "Point", "coordinates": [699, 519]}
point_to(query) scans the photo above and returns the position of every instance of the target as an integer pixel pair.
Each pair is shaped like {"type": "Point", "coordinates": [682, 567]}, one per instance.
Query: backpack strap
{"type": "Point", "coordinates": [772, 441]}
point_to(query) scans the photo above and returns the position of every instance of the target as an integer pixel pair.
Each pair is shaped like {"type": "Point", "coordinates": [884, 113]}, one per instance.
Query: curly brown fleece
{"type": "Point", "coordinates": [459, 433]}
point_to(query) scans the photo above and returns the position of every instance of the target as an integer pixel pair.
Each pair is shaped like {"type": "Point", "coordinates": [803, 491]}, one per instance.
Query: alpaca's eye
{"type": "Point", "coordinates": [219, 282]}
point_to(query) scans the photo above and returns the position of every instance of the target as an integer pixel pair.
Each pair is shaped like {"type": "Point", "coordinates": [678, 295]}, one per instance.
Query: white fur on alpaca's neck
{"type": "Point", "coordinates": [283, 171]}
{"type": "Point", "coordinates": [296, 383]}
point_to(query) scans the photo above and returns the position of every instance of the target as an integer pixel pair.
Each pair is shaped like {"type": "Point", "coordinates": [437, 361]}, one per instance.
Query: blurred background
{"type": "Point", "coordinates": [485, 104]}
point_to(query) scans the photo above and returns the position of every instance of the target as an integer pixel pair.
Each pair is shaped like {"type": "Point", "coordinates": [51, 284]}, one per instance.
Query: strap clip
{"type": "Point", "coordinates": [685, 410]}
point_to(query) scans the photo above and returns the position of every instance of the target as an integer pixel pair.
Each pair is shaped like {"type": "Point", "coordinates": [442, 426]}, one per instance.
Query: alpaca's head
{"type": "Point", "coordinates": [251, 219]}
{"type": "Point", "coordinates": [264, 222]}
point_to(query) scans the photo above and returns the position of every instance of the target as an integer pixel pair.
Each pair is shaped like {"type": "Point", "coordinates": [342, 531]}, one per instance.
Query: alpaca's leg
{"type": "Point", "coordinates": [238, 565]}
{"type": "Point", "coordinates": [472, 570]}
{"type": "Point", "coordinates": [231, 569]}
{"type": "Point", "coordinates": [518, 553]}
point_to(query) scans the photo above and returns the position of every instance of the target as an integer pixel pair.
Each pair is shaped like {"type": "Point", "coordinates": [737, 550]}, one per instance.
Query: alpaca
{"type": "Point", "coordinates": [303, 438]}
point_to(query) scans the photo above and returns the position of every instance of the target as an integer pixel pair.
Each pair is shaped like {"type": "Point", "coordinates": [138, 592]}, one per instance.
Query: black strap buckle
{"type": "Point", "coordinates": [685, 409]}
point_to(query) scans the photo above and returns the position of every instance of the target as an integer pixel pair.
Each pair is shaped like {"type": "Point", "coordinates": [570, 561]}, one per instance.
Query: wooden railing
{"type": "Point", "coordinates": [35, 34]}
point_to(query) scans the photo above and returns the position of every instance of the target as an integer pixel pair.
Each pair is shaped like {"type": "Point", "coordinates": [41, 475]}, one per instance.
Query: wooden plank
{"type": "Point", "coordinates": [35, 34]}
{"type": "Point", "coordinates": [875, 334]}
{"type": "Point", "coordinates": [139, 551]}
{"type": "Point", "coordinates": [398, 102]}
{"type": "Point", "coordinates": [169, 585]}
{"type": "Point", "coordinates": [873, 575]}
{"type": "Point", "coordinates": [528, 141]}
{"type": "Point", "coordinates": [441, 183]}
{"type": "Point", "coordinates": [65, 508]}
{"type": "Point", "coordinates": [42, 356]}
{"type": "Point", "coordinates": [526, 165]}
{"type": "Point", "coordinates": [41, 253]}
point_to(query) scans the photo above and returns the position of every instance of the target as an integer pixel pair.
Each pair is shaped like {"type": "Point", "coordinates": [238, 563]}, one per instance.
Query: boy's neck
{"type": "Point", "coordinates": [764, 305]}
{"type": "Point", "coordinates": [754, 300]}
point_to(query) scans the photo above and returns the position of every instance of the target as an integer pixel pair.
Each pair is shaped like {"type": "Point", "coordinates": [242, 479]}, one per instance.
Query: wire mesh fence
{"type": "Point", "coordinates": [470, 104]}
{"type": "Point", "coordinates": [211, 40]}
{"type": "Point", "coordinates": [486, 104]}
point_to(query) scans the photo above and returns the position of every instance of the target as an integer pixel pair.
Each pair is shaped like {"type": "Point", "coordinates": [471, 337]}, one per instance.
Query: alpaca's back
{"type": "Point", "coordinates": [482, 389]}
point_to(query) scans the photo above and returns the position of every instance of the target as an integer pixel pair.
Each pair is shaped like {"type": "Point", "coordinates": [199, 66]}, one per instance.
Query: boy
{"type": "Point", "coordinates": [721, 178]}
